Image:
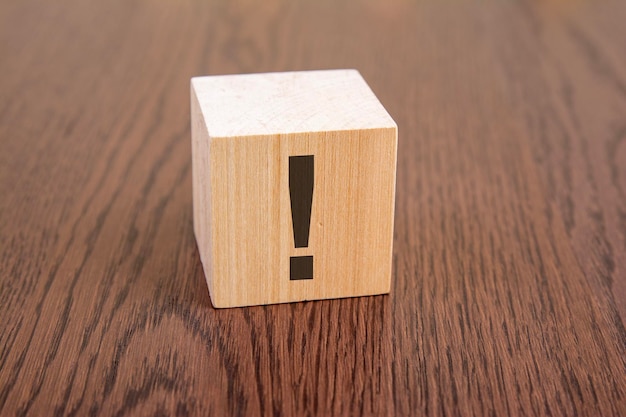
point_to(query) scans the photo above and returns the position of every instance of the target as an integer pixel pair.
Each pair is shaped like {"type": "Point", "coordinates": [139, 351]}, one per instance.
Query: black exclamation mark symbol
{"type": "Point", "coordinates": [301, 178]}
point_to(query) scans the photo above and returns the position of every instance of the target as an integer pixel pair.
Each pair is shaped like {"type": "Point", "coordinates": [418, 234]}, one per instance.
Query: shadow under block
{"type": "Point", "coordinates": [273, 150]}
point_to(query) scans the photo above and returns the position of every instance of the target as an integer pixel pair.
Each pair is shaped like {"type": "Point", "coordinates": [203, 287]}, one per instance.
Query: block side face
{"type": "Point", "coordinates": [351, 227]}
{"type": "Point", "coordinates": [200, 152]}
{"type": "Point", "coordinates": [289, 102]}
{"type": "Point", "coordinates": [391, 136]}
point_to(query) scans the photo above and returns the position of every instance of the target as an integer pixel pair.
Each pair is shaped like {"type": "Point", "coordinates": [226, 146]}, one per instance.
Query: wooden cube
{"type": "Point", "coordinates": [293, 186]}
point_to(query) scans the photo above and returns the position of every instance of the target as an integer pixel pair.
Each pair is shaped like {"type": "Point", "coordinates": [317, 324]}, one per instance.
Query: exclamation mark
{"type": "Point", "coordinates": [301, 178]}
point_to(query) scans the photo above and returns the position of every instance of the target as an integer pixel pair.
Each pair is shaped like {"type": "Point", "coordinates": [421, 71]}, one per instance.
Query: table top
{"type": "Point", "coordinates": [509, 274]}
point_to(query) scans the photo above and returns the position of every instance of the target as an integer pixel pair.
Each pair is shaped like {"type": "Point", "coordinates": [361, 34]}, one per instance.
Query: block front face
{"type": "Point", "coordinates": [293, 187]}
{"type": "Point", "coordinates": [351, 220]}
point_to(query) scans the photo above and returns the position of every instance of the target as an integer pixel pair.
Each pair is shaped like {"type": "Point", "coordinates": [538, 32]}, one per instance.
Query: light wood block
{"type": "Point", "coordinates": [260, 143]}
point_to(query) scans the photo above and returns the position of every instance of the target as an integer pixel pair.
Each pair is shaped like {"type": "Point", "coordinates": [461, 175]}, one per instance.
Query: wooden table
{"type": "Point", "coordinates": [509, 287]}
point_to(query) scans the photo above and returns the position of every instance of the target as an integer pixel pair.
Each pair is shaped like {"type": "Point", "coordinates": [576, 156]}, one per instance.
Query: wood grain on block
{"type": "Point", "coordinates": [273, 151]}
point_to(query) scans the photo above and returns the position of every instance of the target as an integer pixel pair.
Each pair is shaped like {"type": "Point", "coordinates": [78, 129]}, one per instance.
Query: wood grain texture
{"type": "Point", "coordinates": [245, 131]}
{"type": "Point", "coordinates": [509, 283]}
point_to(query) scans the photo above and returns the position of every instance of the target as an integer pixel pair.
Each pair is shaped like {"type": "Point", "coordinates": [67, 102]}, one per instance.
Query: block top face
{"type": "Point", "coordinates": [288, 102]}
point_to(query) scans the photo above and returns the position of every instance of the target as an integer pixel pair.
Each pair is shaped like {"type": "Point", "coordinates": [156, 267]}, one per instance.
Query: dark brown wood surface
{"type": "Point", "coordinates": [509, 283]}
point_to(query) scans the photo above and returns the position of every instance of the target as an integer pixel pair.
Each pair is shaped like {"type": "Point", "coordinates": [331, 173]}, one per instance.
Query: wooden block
{"type": "Point", "coordinates": [293, 186]}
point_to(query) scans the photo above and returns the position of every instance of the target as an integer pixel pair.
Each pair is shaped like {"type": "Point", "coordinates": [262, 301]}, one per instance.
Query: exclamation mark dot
{"type": "Point", "coordinates": [301, 178]}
